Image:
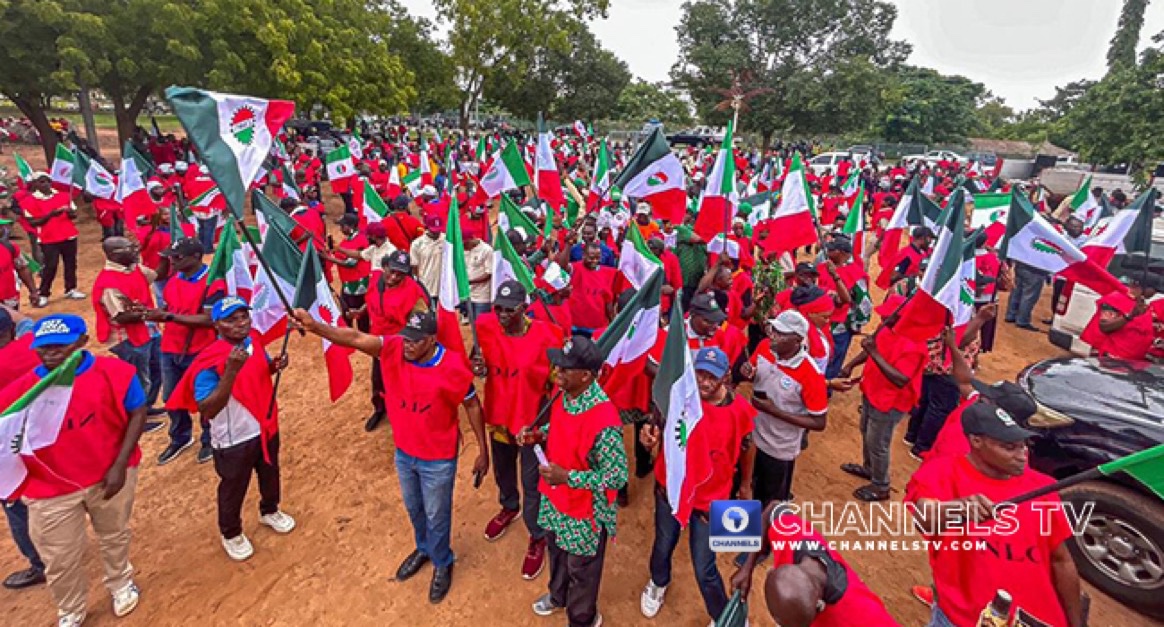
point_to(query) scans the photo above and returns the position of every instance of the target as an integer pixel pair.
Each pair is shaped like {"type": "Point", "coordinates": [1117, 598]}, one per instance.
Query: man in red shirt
{"type": "Point", "coordinates": [88, 471]}
{"type": "Point", "coordinates": [52, 213]}
{"type": "Point", "coordinates": [428, 384]}
{"type": "Point", "coordinates": [1122, 326]}
{"type": "Point", "coordinates": [514, 363]}
{"type": "Point", "coordinates": [839, 274]}
{"type": "Point", "coordinates": [890, 387]}
{"type": "Point", "coordinates": [672, 274]}
{"type": "Point", "coordinates": [12, 265]}
{"type": "Point", "coordinates": [907, 263]}
{"type": "Point", "coordinates": [122, 293]}
{"type": "Point", "coordinates": [955, 497]}
{"type": "Point", "coordinates": [354, 271]}
{"type": "Point", "coordinates": [712, 454]}
{"type": "Point", "coordinates": [401, 226]}
{"type": "Point", "coordinates": [592, 301]}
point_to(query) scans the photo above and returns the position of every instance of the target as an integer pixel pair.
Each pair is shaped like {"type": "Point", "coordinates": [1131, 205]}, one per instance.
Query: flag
{"type": "Point", "coordinates": [287, 181]}
{"type": "Point", "coordinates": [206, 199]}
{"type": "Point", "coordinates": [851, 184]}
{"type": "Point", "coordinates": [990, 214]}
{"type": "Point", "coordinates": [145, 165]}
{"type": "Point", "coordinates": [913, 209]}
{"type": "Point", "coordinates": [861, 311]}
{"type": "Point", "coordinates": [1146, 466]}
{"type": "Point", "coordinates": [580, 128]}
{"type": "Point", "coordinates": [761, 205]}
{"type": "Point", "coordinates": [506, 172]}
{"type": "Point", "coordinates": [341, 170]}
{"type": "Point", "coordinates": [268, 314]}
{"type": "Point", "coordinates": [1139, 238]}
{"type": "Point", "coordinates": [676, 394]}
{"type": "Point", "coordinates": [177, 219]}
{"type": "Point", "coordinates": [1032, 240]}
{"type": "Point", "coordinates": [154, 130]}
{"type": "Point", "coordinates": [372, 208]}
{"type": "Point", "coordinates": [99, 182]}
{"type": "Point", "coordinates": [637, 262]}
{"type": "Point", "coordinates": [633, 331]}
{"type": "Point", "coordinates": [314, 294]}
{"type": "Point", "coordinates": [454, 276]}
{"type": "Point", "coordinates": [655, 176]}
{"type": "Point", "coordinates": [232, 133]}
{"type": "Point", "coordinates": [549, 180]}
{"type": "Point", "coordinates": [855, 224]}
{"type": "Point", "coordinates": [717, 203]}
{"type": "Point", "coordinates": [64, 162]}
{"type": "Point", "coordinates": [793, 225]}
{"type": "Point", "coordinates": [509, 266]}
{"type": "Point", "coordinates": [946, 294]}
{"type": "Point", "coordinates": [600, 182]}
{"type": "Point", "coordinates": [510, 217]}
{"type": "Point", "coordinates": [1118, 234]}
{"type": "Point", "coordinates": [425, 168]}
{"type": "Point", "coordinates": [1084, 206]}
{"type": "Point", "coordinates": [22, 168]}
{"type": "Point", "coordinates": [131, 190]}
{"type": "Point", "coordinates": [229, 272]}
{"type": "Point", "coordinates": [356, 145]}
{"type": "Point", "coordinates": [33, 422]}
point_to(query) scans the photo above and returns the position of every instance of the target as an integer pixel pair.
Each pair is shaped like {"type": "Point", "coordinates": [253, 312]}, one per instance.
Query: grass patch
{"type": "Point", "coordinates": [103, 119]}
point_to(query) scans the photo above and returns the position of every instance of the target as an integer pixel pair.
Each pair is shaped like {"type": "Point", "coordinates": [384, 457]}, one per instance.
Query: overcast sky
{"type": "Point", "coordinates": [1020, 49]}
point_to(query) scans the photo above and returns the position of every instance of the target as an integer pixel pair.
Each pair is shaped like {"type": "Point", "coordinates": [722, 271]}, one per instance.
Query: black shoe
{"type": "Point", "coordinates": [172, 451]}
{"type": "Point", "coordinates": [373, 420]}
{"type": "Point", "coordinates": [152, 425]}
{"type": "Point", "coordinates": [442, 580]}
{"type": "Point", "coordinates": [1029, 327]}
{"type": "Point", "coordinates": [205, 454]}
{"type": "Point", "coordinates": [623, 497]}
{"type": "Point", "coordinates": [411, 565]}
{"type": "Point", "coordinates": [24, 579]}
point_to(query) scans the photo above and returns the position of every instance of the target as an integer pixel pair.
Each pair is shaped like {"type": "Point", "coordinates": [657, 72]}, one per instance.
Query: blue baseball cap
{"type": "Point", "coordinates": [227, 306]}
{"type": "Point", "coordinates": [713, 361]}
{"type": "Point", "coordinates": [58, 330]}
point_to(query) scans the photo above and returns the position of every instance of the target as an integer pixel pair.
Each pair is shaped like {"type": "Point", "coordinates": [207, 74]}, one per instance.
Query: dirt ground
{"type": "Point", "coordinates": [336, 567]}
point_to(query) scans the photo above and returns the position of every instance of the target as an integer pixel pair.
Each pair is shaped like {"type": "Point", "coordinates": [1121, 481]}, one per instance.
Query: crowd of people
{"type": "Point", "coordinates": [773, 334]}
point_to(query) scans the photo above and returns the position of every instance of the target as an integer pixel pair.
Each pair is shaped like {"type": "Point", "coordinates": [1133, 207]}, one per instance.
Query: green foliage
{"type": "Point", "coordinates": [411, 38]}
{"type": "Point", "coordinates": [1121, 51]}
{"type": "Point", "coordinates": [642, 101]}
{"type": "Point", "coordinates": [922, 105]}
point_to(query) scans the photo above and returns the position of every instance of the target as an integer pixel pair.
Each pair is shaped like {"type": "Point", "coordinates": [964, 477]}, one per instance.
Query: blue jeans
{"type": "Point", "coordinates": [174, 365]}
{"type": "Point", "coordinates": [206, 229]}
{"type": "Point", "coordinates": [139, 358]}
{"type": "Point", "coordinates": [938, 618]}
{"type": "Point", "coordinates": [155, 388]}
{"type": "Point", "coordinates": [1028, 286]}
{"type": "Point", "coordinates": [17, 514]}
{"type": "Point", "coordinates": [427, 490]}
{"type": "Point", "coordinates": [841, 341]}
{"type": "Point", "coordinates": [702, 558]}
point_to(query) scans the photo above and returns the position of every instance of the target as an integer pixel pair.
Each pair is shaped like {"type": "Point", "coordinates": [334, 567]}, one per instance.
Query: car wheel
{"type": "Point", "coordinates": [1121, 548]}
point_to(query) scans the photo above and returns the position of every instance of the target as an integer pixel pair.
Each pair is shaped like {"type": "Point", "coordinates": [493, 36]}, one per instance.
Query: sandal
{"type": "Point", "coordinates": [870, 494]}
{"type": "Point", "coordinates": [857, 470]}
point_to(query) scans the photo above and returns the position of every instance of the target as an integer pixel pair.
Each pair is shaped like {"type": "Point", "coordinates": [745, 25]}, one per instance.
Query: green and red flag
{"type": "Point", "coordinates": [33, 422]}
{"type": "Point", "coordinates": [717, 205]}
{"type": "Point", "coordinates": [229, 271]}
{"type": "Point", "coordinates": [636, 260]}
{"type": "Point", "coordinates": [548, 178]}
{"type": "Point", "coordinates": [600, 182]}
{"type": "Point", "coordinates": [990, 211]}
{"type": "Point", "coordinates": [655, 176]}
{"type": "Point", "coordinates": [313, 294]}
{"type": "Point", "coordinates": [506, 172]}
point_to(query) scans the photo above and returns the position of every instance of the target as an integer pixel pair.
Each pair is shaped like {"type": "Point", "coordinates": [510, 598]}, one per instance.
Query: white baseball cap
{"type": "Point", "coordinates": [790, 321]}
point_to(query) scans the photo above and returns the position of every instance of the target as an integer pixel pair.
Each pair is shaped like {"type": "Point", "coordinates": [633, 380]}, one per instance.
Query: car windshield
{"type": "Point", "coordinates": [822, 160]}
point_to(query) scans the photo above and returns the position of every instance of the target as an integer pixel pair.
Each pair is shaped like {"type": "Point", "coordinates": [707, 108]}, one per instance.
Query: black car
{"type": "Point", "coordinates": [1093, 411]}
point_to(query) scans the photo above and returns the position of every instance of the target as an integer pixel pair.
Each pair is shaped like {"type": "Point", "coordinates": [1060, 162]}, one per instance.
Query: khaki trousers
{"type": "Point", "coordinates": [57, 526]}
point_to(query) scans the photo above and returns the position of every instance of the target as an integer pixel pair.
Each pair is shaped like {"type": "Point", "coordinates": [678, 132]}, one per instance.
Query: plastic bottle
{"type": "Point", "coordinates": [997, 612]}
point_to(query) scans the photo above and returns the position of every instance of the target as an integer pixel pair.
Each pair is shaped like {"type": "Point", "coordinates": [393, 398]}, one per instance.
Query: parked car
{"type": "Point", "coordinates": [861, 151]}
{"type": "Point", "coordinates": [934, 156]}
{"type": "Point", "coordinates": [827, 162]}
{"type": "Point", "coordinates": [1076, 305]}
{"type": "Point", "coordinates": [987, 160]}
{"type": "Point", "coordinates": [1092, 411]}
{"type": "Point", "coordinates": [699, 136]}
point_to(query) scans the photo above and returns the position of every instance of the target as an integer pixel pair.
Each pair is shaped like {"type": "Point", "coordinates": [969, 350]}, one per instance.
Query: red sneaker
{"type": "Point", "coordinates": [535, 559]}
{"type": "Point", "coordinates": [925, 594]}
{"type": "Point", "coordinates": [496, 527]}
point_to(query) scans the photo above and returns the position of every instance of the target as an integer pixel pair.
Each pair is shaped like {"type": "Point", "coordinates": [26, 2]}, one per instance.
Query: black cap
{"type": "Point", "coordinates": [288, 203]}
{"type": "Point", "coordinates": [989, 420]}
{"type": "Point", "coordinates": [806, 267]}
{"type": "Point", "coordinates": [1009, 396]}
{"type": "Point", "coordinates": [398, 260]}
{"type": "Point", "coordinates": [510, 295]}
{"type": "Point", "coordinates": [348, 220]}
{"type": "Point", "coordinates": [578, 353]}
{"type": "Point", "coordinates": [400, 202]}
{"type": "Point", "coordinates": [841, 243]}
{"type": "Point", "coordinates": [420, 325]}
{"type": "Point", "coordinates": [184, 247]}
{"type": "Point", "coordinates": [705, 306]}
{"type": "Point", "coordinates": [922, 231]}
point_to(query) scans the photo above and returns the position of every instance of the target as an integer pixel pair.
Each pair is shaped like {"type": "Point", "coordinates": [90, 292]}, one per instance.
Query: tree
{"type": "Point", "coordinates": [581, 82]}
{"type": "Point", "coordinates": [499, 36]}
{"type": "Point", "coordinates": [925, 106]}
{"type": "Point", "coordinates": [642, 101]}
{"type": "Point", "coordinates": [800, 49]}
{"type": "Point", "coordinates": [1121, 52]}
{"type": "Point", "coordinates": [410, 38]}
{"type": "Point", "coordinates": [1065, 97]}
{"type": "Point", "coordinates": [994, 117]}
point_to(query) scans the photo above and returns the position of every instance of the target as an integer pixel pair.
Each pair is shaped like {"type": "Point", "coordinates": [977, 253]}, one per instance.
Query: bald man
{"type": "Point", "coordinates": [122, 293]}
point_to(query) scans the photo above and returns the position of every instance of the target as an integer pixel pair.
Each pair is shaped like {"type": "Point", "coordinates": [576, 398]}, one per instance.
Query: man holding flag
{"type": "Point", "coordinates": [80, 432]}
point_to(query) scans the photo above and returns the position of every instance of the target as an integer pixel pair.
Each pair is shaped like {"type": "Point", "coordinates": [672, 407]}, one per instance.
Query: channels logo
{"type": "Point", "coordinates": [736, 526]}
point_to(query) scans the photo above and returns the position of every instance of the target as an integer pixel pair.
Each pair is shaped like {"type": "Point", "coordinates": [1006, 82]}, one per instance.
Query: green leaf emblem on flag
{"type": "Point", "coordinates": [1046, 246]}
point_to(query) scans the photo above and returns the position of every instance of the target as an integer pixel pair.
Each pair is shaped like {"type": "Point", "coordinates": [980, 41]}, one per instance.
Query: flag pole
{"type": "Point", "coordinates": [279, 374]}
{"type": "Point", "coordinates": [1073, 480]}
{"type": "Point", "coordinates": [250, 240]}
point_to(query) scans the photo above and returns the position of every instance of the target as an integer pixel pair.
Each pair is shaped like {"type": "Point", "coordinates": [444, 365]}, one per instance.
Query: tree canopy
{"type": "Point", "coordinates": [642, 101]}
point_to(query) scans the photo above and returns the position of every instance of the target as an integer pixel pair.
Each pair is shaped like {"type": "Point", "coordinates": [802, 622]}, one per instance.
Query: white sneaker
{"type": "Point", "coordinates": [280, 522]}
{"type": "Point", "coordinates": [40, 302]}
{"type": "Point", "coordinates": [652, 599]}
{"type": "Point", "coordinates": [126, 600]}
{"type": "Point", "coordinates": [75, 295]}
{"type": "Point", "coordinates": [71, 620]}
{"type": "Point", "coordinates": [238, 548]}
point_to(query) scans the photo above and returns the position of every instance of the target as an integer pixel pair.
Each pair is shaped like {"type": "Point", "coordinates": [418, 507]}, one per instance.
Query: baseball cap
{"type": "Point", "coordinates": [181, 166]}
{"type": "Point", "coordinates": [428, 190]}
{"type": "Point", "coordinates": [1009, 396]}
{"type": "Point", "coordinates": [348, 219]}
{"type": "Point", "coordinates": [400, 202]}
{"type": "Point", "coordinates": [38, 175]}
{"type": "Point", "coordinates": [712, 360]}
{"type": "Point", "coordinates": [434, 222]}
{"type": "Point", "coordinates": [790, 321]}
{"type": "Point", "coordinates": [420, 325]}
{"type": "Point", "coordinates": [184, 247]}
{"type": "Point", "coordinates": [152, 184]}
{"type": "Point", "coordinates": [705, 306]}
{"type": "Point", "coordinates": [989, 420]}
{"type": "Point", "coordinates": [288, 203]}
{"type": "Point", "coordinates": [165, 168]}
{"type": "Point", "coordinates": [840, 243]}
{"type": "Point", "coordinates": [227, 306]}
{"type": "Point", "coordinates": [577, 353]}
{"type": "Point", "coordinates": [58, 330]}
{"type": "Point", "coordinates": [376, 229]}
{"type": "Point", "coordinates": [643, 208]}
{"type": "Point", "coordinates": [891, 305]}
{"type": "Point", "coordinates": [806, 267]}
{"type": "Point", "coordinates": [510, 295]}
{"type": "Point", "coordinates": [398, 260]}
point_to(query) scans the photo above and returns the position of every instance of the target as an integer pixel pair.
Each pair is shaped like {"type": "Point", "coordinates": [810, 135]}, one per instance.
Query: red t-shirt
{"type": "Point", "coordinates": [350, 248]}
{"type": "Point", "coordinates": [17, 358]}
{"type": "Point", "coordinates": [987, 266]}
{"type": "Point", "coordinates": [561, 314]}
{"type": "Point", "coordinates": [186, 297]}
{"type": "Point", "coordinates": [1131, 341]}
{"type": "Point", "coordinates": [1156, 310]}
{"type": "Point", "coordinates": [388, 307]}
{"type": "Point", "coordinates": [423, 400]}
{"type": "Point", "coordinates": [59, 228]}
{"type": "Point", "coordinates": [519, 370]}
{"type": "Point", "coordinates": [857, 606]}
{"type": "Point", "coordinates": [1018, 554]}
{"type": "Point", "coordinates": [593, 291]}
{"type": "Point", "coordinates": [909, 357]}
{"type": "Point", "coordinates": [712, 451]}
{"type": "Point", "coordinates": [402, 228]}
{"type": "Point", "coordinates": [673, 275]}
{"type": "Point", "coordinates": [850, 274]}
{"type": "Point", "coordinates": [151, 242]}
{"type": "Point", "coordinates": [8, 288]}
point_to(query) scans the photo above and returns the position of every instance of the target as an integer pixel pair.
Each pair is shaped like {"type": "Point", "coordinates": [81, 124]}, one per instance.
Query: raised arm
{"type": "Point", "coordinates": [349, 337]}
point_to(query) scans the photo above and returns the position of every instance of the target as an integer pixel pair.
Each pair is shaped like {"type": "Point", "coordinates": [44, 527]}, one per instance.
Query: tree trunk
{"type": "Point", "coordinates": [126, 113]}
{"type": "Point", "coordinates": [766, 139]}
{"type": "Point", "coordinates": [33, 109]}
{"type": "Point", "coordinates": [87, 115]}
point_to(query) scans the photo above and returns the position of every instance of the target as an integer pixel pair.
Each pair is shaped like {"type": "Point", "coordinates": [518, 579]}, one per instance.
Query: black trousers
{"type": "Point", "coordinates": [234, 466]}
{"type": "Point", "coordinates": [574, 582]}
{"type": "Point", "coordinates": [771, 478]}
{"type": "Point", "coordinates": [508, 459]}
{"type": "Point", "coordinates": [354, 302]}
{"type": "Point", "coordinates": [53, 255]}
{"type": "Point", "coordinates": [377, 387]}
